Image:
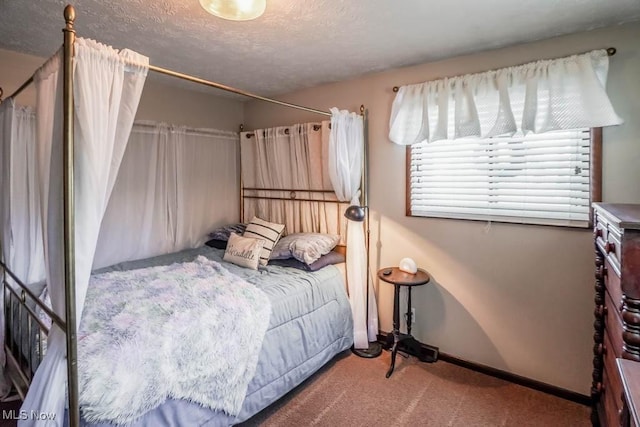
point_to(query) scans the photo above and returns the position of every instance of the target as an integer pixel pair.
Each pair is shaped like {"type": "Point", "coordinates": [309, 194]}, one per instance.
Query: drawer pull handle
{"type": "Point", "coordinates": [598, 232]}
{"type": "Point", "coordinates": [610, 247]}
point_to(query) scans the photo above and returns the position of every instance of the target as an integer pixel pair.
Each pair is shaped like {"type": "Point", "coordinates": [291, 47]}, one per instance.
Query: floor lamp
{"type": "Point", "coordinates": [358, 214]}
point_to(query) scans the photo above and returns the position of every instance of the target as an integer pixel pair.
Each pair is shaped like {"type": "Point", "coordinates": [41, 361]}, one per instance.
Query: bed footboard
{"type": "Point", "coordinates": [27, 323]}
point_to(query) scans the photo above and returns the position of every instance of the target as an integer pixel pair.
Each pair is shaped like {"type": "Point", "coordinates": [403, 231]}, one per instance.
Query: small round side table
{"type": "Point", "coordinates": [406, 342]}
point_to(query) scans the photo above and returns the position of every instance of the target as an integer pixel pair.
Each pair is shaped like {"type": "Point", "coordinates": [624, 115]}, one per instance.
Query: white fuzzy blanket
{"type": "Point", "coordinates": [186, 331]}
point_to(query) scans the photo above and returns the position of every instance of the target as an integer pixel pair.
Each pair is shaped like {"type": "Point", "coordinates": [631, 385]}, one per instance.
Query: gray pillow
{"type": "Point", "coordinates": [305, 247]}
{"type": "Point", "coordinates": [332, 257]}
{"type": "Point", "coordinates": [222, 233]}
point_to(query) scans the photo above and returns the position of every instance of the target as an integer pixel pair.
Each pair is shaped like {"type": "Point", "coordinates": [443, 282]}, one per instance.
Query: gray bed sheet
{"type": "Point", "coordinates": [310, 323]}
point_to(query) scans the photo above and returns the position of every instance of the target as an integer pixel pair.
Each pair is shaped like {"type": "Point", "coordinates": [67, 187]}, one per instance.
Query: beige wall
{"type": "Point", "coordinates": [170, 104]}
{"type": "Point", "coordinates": [160, 102]}
{"type": "Point", "coordinates": [514, 297]}
{"type": "Point", "coordinates": [15, 69]}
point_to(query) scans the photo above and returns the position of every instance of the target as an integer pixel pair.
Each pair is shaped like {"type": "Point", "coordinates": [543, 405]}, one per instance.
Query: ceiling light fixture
{"type": "Point", "coordinates": [235, 10]}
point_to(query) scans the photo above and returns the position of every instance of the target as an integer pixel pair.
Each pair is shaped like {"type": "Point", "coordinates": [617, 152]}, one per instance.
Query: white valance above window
{"type": "Point", "coordinates": [565, 93]}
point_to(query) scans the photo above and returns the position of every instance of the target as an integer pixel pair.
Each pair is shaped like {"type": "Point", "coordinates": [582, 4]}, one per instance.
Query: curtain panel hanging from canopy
{"type": "Point", "coordinates": [27, 257]}
{"type": "Point", "coordinates": [107, 88]}
{"type": "Point", "coordinates": [346, 147]}
{"type": "Point", "coordinates": [541, 96]}
{"type": "Point", "coordinates": [21, 234]}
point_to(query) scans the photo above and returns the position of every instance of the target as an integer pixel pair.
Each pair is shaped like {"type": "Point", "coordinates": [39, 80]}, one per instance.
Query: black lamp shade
{"type": "Point", "coordinates": [354, 213]}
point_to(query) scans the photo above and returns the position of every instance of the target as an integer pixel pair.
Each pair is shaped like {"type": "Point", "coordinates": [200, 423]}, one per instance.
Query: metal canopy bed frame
{"type": "Point", "coordinates": [20, 361]}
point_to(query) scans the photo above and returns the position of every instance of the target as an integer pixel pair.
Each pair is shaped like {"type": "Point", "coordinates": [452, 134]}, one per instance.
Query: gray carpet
{"type": "Point", "coordinates": [352, 391]}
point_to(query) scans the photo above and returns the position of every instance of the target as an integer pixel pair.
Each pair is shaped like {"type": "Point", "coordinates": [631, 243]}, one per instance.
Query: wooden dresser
{"type": "Point", "coordinates": [617, 304]}
{"type": "Point", "coordinates": [630, 374]}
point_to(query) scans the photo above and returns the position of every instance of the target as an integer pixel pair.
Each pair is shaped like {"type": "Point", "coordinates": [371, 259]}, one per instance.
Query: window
{"type": "Point", "coordinates": [545, 178]}
{"type": "Point", "coordinates": [537, 176]}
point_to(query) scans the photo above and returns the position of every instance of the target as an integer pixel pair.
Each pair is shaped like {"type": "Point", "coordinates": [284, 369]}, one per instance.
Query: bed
{"type": "Point", "coordinates": [310, 323]}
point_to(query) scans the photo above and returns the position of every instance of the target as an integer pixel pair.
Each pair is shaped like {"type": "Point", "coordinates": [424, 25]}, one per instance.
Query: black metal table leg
{"type": "Point", "coordinates": [396, 328]}
{"type": "Point", "coordinates": [409, 313]}
{"type": "Point", "coordinates": [394, 351]}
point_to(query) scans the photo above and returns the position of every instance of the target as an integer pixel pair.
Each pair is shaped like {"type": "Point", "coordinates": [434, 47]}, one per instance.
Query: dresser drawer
{"type": "Point", "coordinates": [611, 372]}
{"type": "Point", "coordinates": [612, 283]}
{"type": "Point", "coordinates": [612, 249]}
{"type": "Point", "coordinates": [611, 399]}
{"type": "Point", "coordinates": [600, 232]}
{"type": "Point", "coordinates": [613, 327]}
{"type": "Point", "coordinates": [611, 349]}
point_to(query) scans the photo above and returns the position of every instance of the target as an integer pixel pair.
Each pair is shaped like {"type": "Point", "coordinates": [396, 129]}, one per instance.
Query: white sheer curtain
{"type": "Point", "coordinates": [21, 232]}
{"type": "Point", "coordinates": [27, 256]}
{"type": "Point", "coordinates": [137, 222]}
{"type": "Point", "coordinates": [6, 118]}
{"type": "Point", "coordinates": [346, 146]}
{"type": "Point", "coordinates": [207, 187]}
{"type": "Point", "coordinates": [290, 157]}
{"type": "Point", "coordinates": [107, 89]}
{"type": "Point", "coordinates": [175, 185]}
{"type": "Point", "coordinates": [565, 93]}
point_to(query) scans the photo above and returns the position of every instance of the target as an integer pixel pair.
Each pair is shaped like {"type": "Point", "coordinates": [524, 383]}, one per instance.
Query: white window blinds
{"type": "Point", "coordinates": [503, 144]}
{"type": "Point", "coordinates": [537, 178]}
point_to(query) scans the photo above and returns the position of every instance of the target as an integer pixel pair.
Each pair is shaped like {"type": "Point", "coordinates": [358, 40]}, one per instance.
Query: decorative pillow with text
{"type": "Point", "coordinates": [243, 251]}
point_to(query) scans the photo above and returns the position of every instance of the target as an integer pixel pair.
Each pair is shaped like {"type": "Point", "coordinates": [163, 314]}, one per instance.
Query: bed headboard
{"type": "Point", "coordinates": [302, 211]}
{"type": "Point", "coordinates": [284, 178]}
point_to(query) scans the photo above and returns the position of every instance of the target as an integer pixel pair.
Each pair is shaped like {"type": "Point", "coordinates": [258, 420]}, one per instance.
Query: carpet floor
{"type": "Point", "coordinates": [351, 391]}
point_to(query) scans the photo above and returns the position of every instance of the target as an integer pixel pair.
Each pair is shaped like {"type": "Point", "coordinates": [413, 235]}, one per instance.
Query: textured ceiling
{"type": "Point", "coordinates": [298, 44]}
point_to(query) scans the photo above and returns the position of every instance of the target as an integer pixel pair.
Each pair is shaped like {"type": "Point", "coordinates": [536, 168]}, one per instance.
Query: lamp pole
{"type": "Point", "coordinates": [375, 348]}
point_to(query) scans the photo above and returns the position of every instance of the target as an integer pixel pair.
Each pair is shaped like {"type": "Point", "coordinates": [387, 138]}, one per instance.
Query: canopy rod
{"type": "Point", "coordinates": [206, 83]}
{"type": "Point", "coordinates": [610, 52]}
{"type": "Point", "coordinates": [286, 131]}
{"type": "Point", "coordinates": [144, 125]}
{"type": "Point", "coordinates": [232, 89]}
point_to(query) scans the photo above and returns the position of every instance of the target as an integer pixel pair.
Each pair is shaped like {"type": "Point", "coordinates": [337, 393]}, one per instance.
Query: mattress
{"type": "Point", "coordinates": [310, 323]}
